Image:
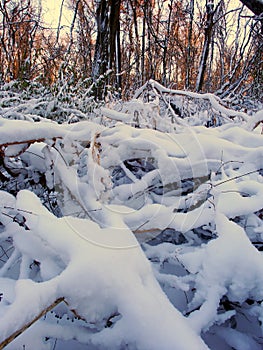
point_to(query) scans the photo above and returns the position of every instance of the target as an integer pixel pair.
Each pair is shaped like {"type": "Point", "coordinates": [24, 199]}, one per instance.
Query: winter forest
{"type": "Point", "coordinates": [131, 175]}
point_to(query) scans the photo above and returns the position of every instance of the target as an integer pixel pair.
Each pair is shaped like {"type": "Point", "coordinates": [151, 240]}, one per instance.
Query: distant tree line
{"type": "Point", "coordinates": [116, 45]}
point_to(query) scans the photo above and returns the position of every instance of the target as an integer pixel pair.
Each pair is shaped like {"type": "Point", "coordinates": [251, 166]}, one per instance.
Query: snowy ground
{"type": "Point", "coordinates": [138, 226]}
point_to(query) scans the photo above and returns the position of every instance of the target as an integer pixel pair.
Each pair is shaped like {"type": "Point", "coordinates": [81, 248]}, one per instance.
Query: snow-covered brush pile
{"type": "Point", "coordinates": [33, 102]}
{"type": "Point", "coordinates": [94, 214]}
{"type": "Point", "coordinates": [194, 108]}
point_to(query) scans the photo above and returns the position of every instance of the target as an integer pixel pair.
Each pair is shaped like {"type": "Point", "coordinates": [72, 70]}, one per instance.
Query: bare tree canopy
{"type": "Point", "coordinates": [116, 46]}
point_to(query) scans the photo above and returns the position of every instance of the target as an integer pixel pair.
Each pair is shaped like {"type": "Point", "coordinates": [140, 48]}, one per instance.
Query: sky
{"type": "Point", "coordinates": [51, 10]}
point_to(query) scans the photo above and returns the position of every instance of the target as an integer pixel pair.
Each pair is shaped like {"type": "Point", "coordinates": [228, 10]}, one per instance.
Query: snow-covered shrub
{"type": "Point", "coordinates": [84, 205]}
{"type": "Point", "coordinates": [62, 102]}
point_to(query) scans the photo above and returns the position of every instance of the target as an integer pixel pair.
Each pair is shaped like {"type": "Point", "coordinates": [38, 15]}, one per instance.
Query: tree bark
{"type": "Point", "coordinates": [189, 45]}
{"type": "Point", "coordinates": [114, 40]}
{"type": "Point", "coordinates": [101, 47]}
{"type": "Point", "coordinates": [143, 43]}
{"type": "Point", "coordinates": [107, 49]}
{"type": "Point", "coordinates": [256, 6]}
{"type": "Point", "coordinates": [207, 42]}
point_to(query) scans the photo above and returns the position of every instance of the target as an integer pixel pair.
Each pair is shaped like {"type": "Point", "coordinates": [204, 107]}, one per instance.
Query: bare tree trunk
{"type": "Point", "coordinates": [208, 37]}
{"type": "Point", "coordinates": [189, 45]}
{"type": "Point", "coordinates": [101, 56]}
{"type": "Point", "coordinates": [118, 59]}
{"type": "Point", "coordinates": [137, 44]}
{"type": "Point", "coordinates": [166, 40]}
{"type": "Point", "coordinates": [59, 21]}
{"type": "Point", "coordinates": [107, 50]}
{"type": "Point", "coordinates": [143, 42]}
{"type": "Point", "coordinates": [114, 41]}
{"type": "Point", "coordinates": [256, 6]}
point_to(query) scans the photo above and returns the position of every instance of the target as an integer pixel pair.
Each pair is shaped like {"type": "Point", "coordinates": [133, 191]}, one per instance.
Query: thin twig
{"type": "Point", "coordinates": [22, 210]}
{"type": "Point", "coordinates": [230, 161]}
{"type": "Point", "coordinates": [15, 334]}
{"type": "Point", "coordinates": [138, 228]}
{"type": "Point", "coordinates": [237, 177]}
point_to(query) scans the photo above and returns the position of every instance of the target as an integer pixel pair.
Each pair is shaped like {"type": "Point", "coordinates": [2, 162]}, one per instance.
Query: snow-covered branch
{"type": "Point", "coordinates": [89, 203]}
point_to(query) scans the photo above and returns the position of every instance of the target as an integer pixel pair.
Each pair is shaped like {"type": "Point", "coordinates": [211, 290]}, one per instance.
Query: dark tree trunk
{"type": "Point", "coordinates": [189, 45]}
{"type": "Point", "coordinates": [114, 40]}
{"type": "Point", "coordinates": [143, 42]}
{"type": "Point", "coordinates": [207, 42]}
{"type": "Point", "coordinates": [101, 56]}
{"type": "Point", "coordinates": [107, 50]}
{"type": "Point", "coordinates": [256, 6]}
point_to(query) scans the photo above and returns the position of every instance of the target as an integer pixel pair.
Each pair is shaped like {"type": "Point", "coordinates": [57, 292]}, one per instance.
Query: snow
{"type": "Point", "coordinates": [238, 340]}
{"type": "Point", "coordinates": [150, 230]}
{"type": "Point", "coordinates": [90, 253]}
{"type": "Point", "coordinates": [214, 100]}
{"type": "Point", "coordinates": [255, 120]}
